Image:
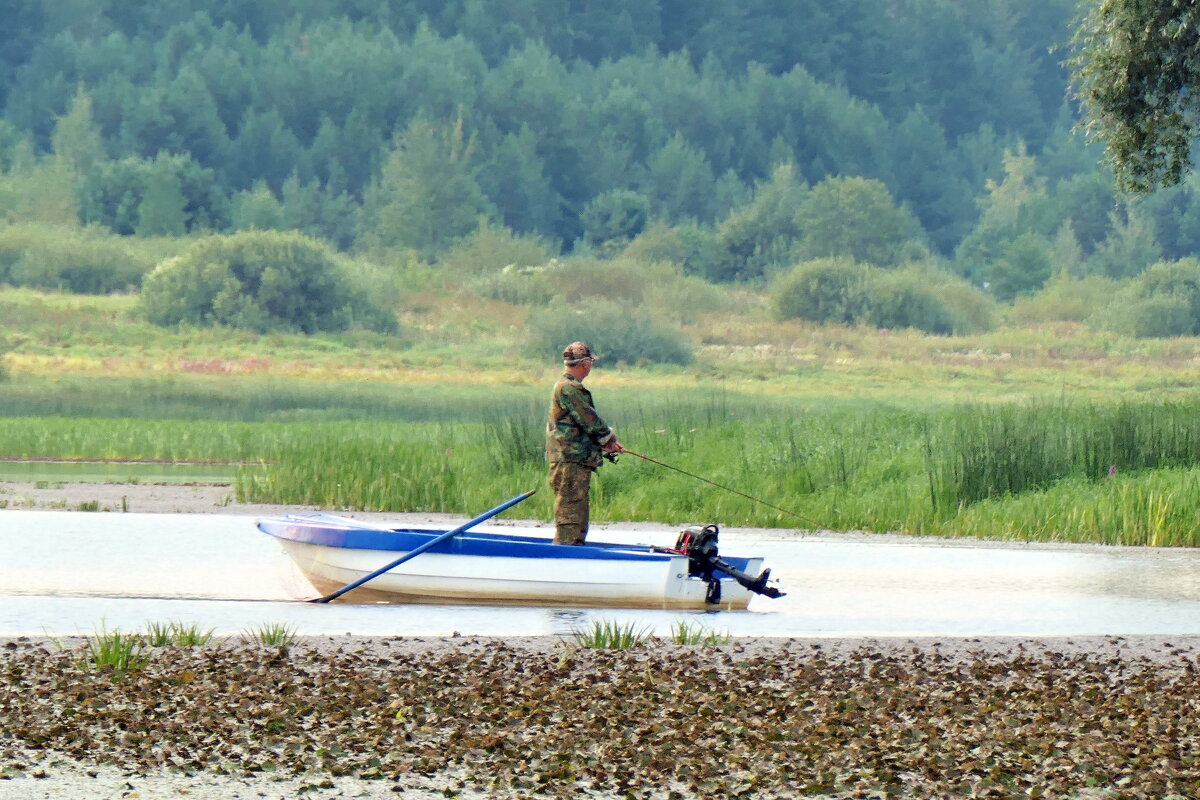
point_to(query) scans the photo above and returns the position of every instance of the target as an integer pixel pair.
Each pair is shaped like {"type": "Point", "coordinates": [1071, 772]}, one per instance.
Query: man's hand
{"type": "Point", "coordinates": [613, 446]}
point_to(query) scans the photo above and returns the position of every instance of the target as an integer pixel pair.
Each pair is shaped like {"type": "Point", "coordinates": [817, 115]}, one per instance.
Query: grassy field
{"type": "Point", "coordinates": [1052, 433]}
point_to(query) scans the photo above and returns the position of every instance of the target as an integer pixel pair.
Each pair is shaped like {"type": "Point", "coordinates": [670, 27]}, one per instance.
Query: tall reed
{"type": "Point", "coordinates": [992, 451]}
{"type": "Point", "coordinates": [1083, 471]}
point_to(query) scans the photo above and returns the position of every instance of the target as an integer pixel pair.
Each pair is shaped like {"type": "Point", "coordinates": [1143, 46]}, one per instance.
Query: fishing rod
{"type": "Point", "coordinates": [612, 457]}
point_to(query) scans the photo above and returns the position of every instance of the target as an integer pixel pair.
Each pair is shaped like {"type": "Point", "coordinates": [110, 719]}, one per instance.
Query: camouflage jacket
{"type": "Point", "coordinates": [575, 431]}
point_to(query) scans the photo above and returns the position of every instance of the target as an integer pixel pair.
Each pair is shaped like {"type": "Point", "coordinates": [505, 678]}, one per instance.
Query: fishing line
{"type": "Point", "coordinates": [801, 517]}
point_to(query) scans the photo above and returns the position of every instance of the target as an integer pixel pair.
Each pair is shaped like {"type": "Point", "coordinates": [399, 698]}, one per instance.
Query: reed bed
{"type": "Point", "coordinates": [1122, 473]}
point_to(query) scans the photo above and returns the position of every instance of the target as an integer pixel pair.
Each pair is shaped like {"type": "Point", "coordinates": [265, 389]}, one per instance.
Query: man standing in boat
{"type": "Point", "coordinates": [576, 441]}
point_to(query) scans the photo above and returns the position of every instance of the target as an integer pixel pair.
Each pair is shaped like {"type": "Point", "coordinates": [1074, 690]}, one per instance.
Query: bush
{"type": "Point", "coordinates": [492, 248]}
{"type": "Point", "coordinates": [905, 298]}
{"type": "Point", "coordinates": [261, 281]}
{"type": "Point", "coordinates": [622, 279]}
{"type": "Point", "coordinates": [1179, 279]}
{"type": "Point", "coordinates": [1157, 316]}
{"type": "Point", "coordinates": [824, 290]}
{"type": "Point", "coordinates": [684, 298]}
{"type": "Point", "coordinates": [615, 331]}
{"type": "Point", "coordinates": [972, 310]}
{"type": "Point", "coordinates": [1066, 298]}
{"type": "Point", "coordinates": [518, 285]}
{"type": "Point", "coordinates": [693, 248]}
{"type": "Point", "coordinates": [616, 217]}
{"type": "Point", "coordinates": [1163, 301]}
{"type": "Point", "coordinates": [80, 260]}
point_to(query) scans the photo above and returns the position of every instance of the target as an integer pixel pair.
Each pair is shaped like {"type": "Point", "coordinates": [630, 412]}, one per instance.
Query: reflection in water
{"type": "Point", "coordinates": [67, 573]}
{"type": "Point", "coordinates": [564, 621]}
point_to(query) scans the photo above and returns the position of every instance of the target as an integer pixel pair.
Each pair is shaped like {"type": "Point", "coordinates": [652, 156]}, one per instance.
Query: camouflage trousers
{"type": "Point", "coordinates": [570, 482]}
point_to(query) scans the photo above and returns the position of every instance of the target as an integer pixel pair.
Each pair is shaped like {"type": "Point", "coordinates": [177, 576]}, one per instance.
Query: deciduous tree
{"type": "Point", "coordinates": [1137, 72]}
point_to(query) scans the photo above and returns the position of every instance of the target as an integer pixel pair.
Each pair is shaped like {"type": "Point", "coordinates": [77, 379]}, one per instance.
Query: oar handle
{"type": "Point", "coordinates": [416, 551]}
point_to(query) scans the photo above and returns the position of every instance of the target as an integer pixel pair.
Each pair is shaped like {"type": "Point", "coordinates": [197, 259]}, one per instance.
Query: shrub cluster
{"type": "Point", "coordinates": [1163, 301]}
{"type": "Point", "coordinates": [617, 333]}
{"type": "Point", "coordinates": [261, 281]}
{"type": "Point", "coordinates": [841, 290]}
{"type": "Point", "coordinates": [70, 259]}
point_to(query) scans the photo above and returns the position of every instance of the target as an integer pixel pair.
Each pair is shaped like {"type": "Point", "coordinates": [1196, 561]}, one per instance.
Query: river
{"type": "Point", "coordinates": [71, 573]}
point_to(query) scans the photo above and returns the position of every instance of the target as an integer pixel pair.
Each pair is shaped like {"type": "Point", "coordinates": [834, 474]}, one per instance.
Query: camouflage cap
{"type": "Point", "coordinates": [576, 353]}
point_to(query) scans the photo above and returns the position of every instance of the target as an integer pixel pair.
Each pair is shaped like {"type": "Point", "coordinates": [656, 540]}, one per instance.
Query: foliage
{"type": "Point", "coordinates": [173, 192]}
{"type": "Point", "coordinates": [1021, 266]}
{"type": "Point", "coordinates": [257, 209]}
{"type": "Point", "coordinates": [1066, 298]}
{"type": "Point", "coordinates": [692, 247]}
{"type": "Point", "coordinates": [492, 248]}
{"type": "Point", "coordinates": [617, 332]}
{"type": "Point", "coordinates": [260, 281]}
{"type": "Point", "coordinates": [1163, 301]}
{"type": "Point", "coordinates": [621, 280]}
{"type": "Point", "coordinates": [764, 231]}
{"type": "Point", "coordinates": [1155, 316]}
{"type": "Point", "coordinates": [1010, 209]}
{"type": "Point", "coordinates": [905, 299]}
{"type": "Point", "coordinates": [395, 129]}
{"type": "Point", "coordinates": [917, 296]}
{"type": "Point", "coordinates": [516, 284]}
{"type": "Point", "coordinates": [614, 218]}
{"type": "Point", "coordinates": [1136, 74]}
{"type": "Point", "coordinates": [856, 218]}
{"type": "Point", "coordinates": [1130, 247]}
{"type": "Point", "coordinates": [72, 259]}
{"type": "Point", "coordinates": [38, 190]}
{"type": "Point", "coordinates": [427, 196]}
{"type": "Point", "coordinates": [1180, 279]}
{"type": "Point", "coordinates": [971, 310]}
{"type": "Point", "coordinates": [825, 290]}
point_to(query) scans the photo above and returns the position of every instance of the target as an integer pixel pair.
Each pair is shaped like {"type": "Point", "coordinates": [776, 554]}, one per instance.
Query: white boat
{"type": "Point", "coordinates": [499, 568]}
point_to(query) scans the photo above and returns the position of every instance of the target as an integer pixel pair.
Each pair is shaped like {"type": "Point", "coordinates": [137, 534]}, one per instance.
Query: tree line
{"type": "Point", "coordinates": [734, 137]}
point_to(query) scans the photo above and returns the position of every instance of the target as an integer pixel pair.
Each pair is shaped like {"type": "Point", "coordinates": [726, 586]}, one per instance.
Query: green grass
{"type": "Point", "coordinates": [985, 470]}
{"type": "Point", "coordinates": [610, 635]}
{"type": "Point", "coordinates": [115, 652]}
{"type": "Point", "coordinates": [176, 634]}
{"type": "Point", "coordinates": [695, 634]}
{"type": "Point", "coordinates": [1009, 434]}
{"type": "Point", "coordinates": [271, 634]}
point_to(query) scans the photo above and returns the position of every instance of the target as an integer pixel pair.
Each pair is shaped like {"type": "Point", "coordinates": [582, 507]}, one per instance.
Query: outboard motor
{"type": "Point", "coordinates": [699, 544]}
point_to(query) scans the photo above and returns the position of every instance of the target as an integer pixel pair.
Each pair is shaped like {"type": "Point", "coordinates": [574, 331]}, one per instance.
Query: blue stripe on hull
{"type": "Point", "coordinates": [400, 540]}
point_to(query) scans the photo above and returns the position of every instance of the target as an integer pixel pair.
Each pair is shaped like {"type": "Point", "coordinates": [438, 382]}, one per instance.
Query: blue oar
{"type": "Point", "coordinates": [416, 551]}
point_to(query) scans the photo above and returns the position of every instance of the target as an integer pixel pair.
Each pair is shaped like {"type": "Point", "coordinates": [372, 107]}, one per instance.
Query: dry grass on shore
{"type": "Point", "coordinates": [991, 718]}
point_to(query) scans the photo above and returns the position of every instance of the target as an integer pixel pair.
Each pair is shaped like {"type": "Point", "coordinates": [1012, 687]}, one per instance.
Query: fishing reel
{"type": "Point", "coordinates": [699, 544]}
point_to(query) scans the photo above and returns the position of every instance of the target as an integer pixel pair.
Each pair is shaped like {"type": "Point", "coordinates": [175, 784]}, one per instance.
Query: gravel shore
{"type": "Point", "coordinates": [541, 717]}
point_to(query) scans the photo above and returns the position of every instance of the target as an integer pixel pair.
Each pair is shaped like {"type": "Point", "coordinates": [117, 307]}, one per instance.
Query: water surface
{"type": "Point", "coordinates": [67, 573]}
